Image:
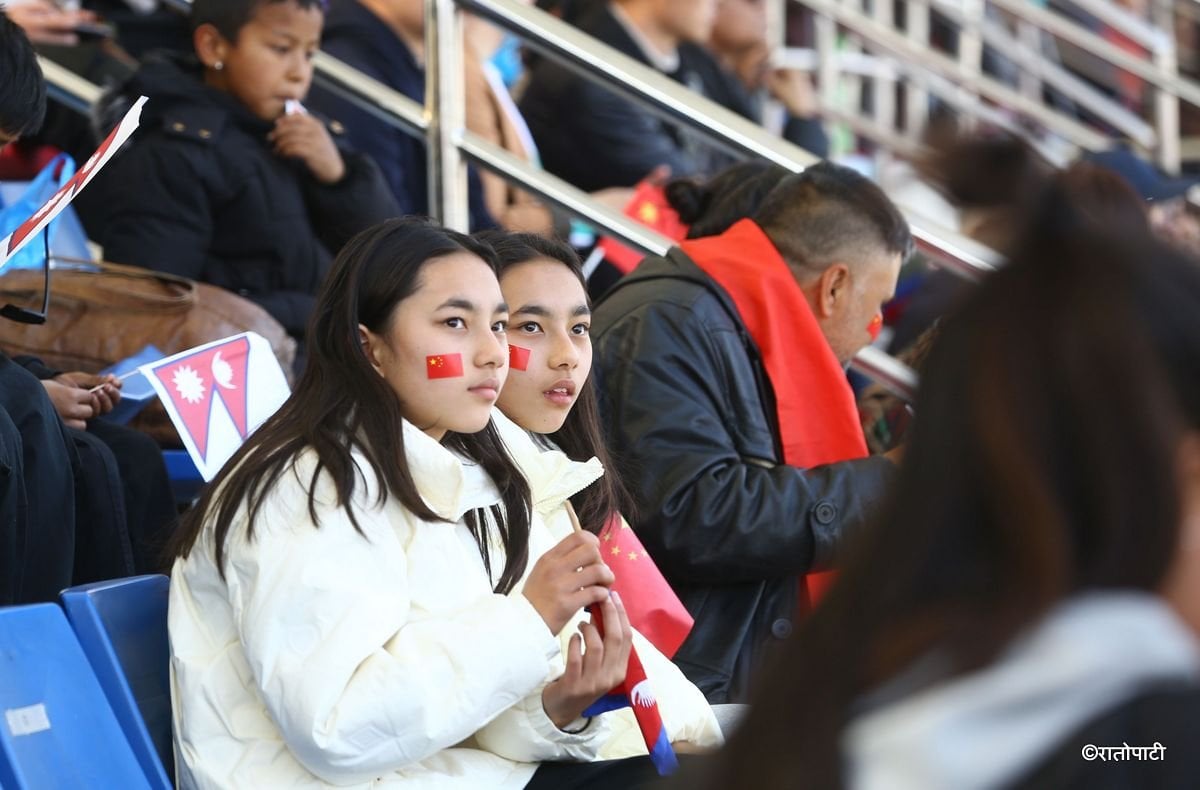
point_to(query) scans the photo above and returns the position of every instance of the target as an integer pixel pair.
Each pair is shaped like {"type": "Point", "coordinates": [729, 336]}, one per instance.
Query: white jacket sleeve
{"type": "Point", "coordinates": [358, 681]}
{"type": "Point", "coordinates": [525, 733]}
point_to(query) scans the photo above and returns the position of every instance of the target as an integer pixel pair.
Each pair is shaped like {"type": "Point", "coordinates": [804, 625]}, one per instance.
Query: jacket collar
{"type": "Point", "coordinates": [450, 485]}
{"type": "Point", "coordinates": [553, 477]}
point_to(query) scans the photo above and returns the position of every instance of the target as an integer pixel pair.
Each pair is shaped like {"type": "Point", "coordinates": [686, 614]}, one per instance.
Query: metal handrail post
{"type": "Point", "coordinates": [1166, 105]}
{"type": "Point", "coordinates": [445, 113]}
{"type": "Point", "coordinates": [883, 89]}
{"type": "Point", "coordinates": [828, 63]}
{"type": "Point", "coordinates": [916, 98]}
{"type": "Point", "coordinates": [68, 87]}
{"type": "Point", "coordinates": [387, 104]}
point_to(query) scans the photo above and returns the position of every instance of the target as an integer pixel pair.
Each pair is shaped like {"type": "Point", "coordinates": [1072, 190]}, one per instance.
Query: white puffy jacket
{"type": "Point", "coordinates": [328, 658]}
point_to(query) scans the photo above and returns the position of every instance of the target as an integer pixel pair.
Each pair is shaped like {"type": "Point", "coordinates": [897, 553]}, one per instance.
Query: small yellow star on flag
{"type": "Point", "coordinates": [633, 555]}
{"type": "Point", "coordinates": [616, 550]}
{"type": "Point", "coordinates": [607, 537]}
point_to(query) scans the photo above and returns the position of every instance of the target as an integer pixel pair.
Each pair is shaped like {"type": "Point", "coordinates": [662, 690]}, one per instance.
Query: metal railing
{"type": "Point", "coordinates": [907, 59]}
{"type": "Point", "coordinates": [441, 122]}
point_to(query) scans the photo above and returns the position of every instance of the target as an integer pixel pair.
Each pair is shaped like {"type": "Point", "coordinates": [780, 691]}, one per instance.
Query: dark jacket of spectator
{"type": "Point", "coordinates": [358, 38]}
{"type": "Point", "coordinates": [723, 87]}
{"type": "Point", "coordinates": [731, 526]}
{"type": "Point", "coordinates": [199, 193]}
{"type": "Point", "coordinates": [594, 138]}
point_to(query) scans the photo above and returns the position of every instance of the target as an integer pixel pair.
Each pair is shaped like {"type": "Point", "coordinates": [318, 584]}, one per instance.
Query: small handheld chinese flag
{"type": "Point", "coordinates": [648, 206]}
{"type": "Point", "coordinates": [653, 607]}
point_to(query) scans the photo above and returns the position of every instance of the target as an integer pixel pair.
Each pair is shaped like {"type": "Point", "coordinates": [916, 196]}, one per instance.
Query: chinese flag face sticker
{"type": "Point", "coordinates": [444, 366]}
{"type": "Point", "coordinates": [518, 358]}
{"type": "Point", "coordinates": [875, 325]}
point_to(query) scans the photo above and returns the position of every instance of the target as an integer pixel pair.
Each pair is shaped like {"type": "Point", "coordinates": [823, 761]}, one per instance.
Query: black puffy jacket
{"type": "Point", "coordinates": [198, 192]}
{"type": "Point", "coordinates": [691, 414]}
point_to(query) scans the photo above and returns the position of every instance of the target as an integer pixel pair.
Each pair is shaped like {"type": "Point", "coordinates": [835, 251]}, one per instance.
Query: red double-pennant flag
{"type": "Point", "coordinates": [193, 381]}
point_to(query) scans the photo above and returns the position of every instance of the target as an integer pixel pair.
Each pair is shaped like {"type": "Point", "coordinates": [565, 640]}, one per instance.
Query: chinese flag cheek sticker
{"type": "Point", "coordinates": [443, 366]}
{"type": "Point", "coordinates": [518, 358]}
{"type": "Point", "coordinates": [875, 325]}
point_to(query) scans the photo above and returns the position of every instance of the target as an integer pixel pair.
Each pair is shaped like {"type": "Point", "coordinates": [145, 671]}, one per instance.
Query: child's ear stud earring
{"type": "Point", "coordinates": [218, 65]}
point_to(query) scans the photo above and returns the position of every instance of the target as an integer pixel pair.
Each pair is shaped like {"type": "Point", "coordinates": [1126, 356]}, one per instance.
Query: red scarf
{"type": "Point", "coordinates": [818, 418]}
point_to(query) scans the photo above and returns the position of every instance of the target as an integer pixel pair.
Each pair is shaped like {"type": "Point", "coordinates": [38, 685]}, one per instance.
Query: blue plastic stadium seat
{"type": "Point", "coordinates": [122, 626]}
{"type": "Point", "coordinates": [185, 478]}
{"type": "Point", "coordinates": [56, 728]}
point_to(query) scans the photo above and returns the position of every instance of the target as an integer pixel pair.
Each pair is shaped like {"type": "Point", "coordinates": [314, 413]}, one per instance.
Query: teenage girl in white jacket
{"type": "Point", "coordinates": [340, 611]}
{"type": "Point", "coordinates": [550, 394]}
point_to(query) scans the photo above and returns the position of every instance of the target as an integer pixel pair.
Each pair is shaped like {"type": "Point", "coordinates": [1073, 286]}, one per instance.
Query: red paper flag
{"type": "Point", "coordinates": [648, 206]}
{"type": "Point", "coordinates": [443, 366]}
{"type": "Point", "coordinates": [518, 358]}
{"type": "Point", "coordinates": [191, 382]}
{"type": "Point", "coordinates": [653, 608]}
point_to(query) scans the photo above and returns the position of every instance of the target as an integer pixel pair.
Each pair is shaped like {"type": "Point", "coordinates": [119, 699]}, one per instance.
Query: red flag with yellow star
{"type": "Point", "coordinates": [648, 206]}
{"type": "Point", "coordinates": [443, 366]}
{"type": "Point", "coordinates": [653, 607]}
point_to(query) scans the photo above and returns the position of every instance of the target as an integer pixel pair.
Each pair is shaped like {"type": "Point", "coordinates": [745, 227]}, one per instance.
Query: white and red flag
{"type": "Point", "coordinates": [11, 244]}
{"type": "Point", "coordinates": [218, 393]}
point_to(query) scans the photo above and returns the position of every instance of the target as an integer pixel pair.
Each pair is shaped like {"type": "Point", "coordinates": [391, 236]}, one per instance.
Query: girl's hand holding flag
{"type": "Point", "coordinates": [592, 673]}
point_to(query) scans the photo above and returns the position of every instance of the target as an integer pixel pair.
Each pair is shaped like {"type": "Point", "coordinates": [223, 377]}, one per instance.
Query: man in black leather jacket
{"type": "Point", "coordinates": [692, 413]}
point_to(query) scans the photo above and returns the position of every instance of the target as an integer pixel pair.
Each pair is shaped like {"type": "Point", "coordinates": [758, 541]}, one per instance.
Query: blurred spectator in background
{"type": "Point", "coordinates": [493, 115]}
{"type": "Point", "coordinates": [739, 40]}
{"type": "Point", "coordinates": [1031, 598]}
{"type": "Point", "coordinates": [80, 500]}
{"type": "Point", "coordinates": [1166, 197]}
{"type": "Point", "coordinates": [46, 22]}
{"type": "Point", "coordinates": [593, 138]}
{"type": "Point", "coordinates": [385, 40]}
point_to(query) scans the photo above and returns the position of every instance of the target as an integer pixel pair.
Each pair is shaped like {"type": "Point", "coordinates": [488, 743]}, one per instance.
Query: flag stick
{"type": "Point", "coordinates": [575, 525]}
{"type": "Point", "coordinates": [121, 377]}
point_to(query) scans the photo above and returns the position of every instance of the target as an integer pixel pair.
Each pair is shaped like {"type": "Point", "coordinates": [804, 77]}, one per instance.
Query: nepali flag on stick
{"type": "Point", "coordinates": [217, 394]}
{"type": "Point", "coordinates": [636, 693]}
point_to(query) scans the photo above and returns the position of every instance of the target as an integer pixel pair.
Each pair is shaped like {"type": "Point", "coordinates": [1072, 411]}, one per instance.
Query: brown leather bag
{"type": "Point", "coordinates": [101, 313]}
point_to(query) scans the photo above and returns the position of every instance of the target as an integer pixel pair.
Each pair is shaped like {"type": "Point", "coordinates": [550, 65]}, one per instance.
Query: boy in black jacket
{"type": "Point", "coordinates": [228, 179]}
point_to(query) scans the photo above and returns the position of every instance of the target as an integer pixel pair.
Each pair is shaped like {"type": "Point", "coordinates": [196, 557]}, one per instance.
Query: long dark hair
{"type": "Point", "coordinates": [580, 436]}
{"type": "Point", "coordinates": [710, 207]}
{"type": "Point", "coordinates": [342, 404]}
{"type": "Point", "coordinates": [1042, 464]}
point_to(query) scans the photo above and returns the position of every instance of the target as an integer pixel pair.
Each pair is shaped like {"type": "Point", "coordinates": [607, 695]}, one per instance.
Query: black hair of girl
{"type": "Point", "coordinates": [710, 207]}
{"type": "Point", "coordinates": [1042, 464]}
{"type": "Point", "coordinates": [341, 400]}
{"type": "Point", "coordinates": [580, 436]}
